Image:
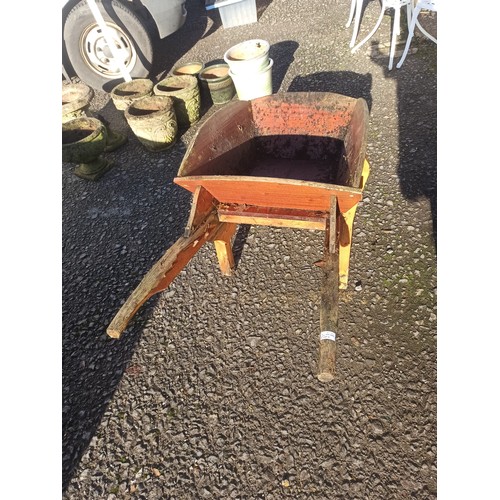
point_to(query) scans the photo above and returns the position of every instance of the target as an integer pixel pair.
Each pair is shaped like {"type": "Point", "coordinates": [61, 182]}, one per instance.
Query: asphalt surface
{"type": "Point", "coordinates": [211, 392]}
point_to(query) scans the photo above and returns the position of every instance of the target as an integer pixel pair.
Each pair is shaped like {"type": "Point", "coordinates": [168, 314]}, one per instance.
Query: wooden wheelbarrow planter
{"type": "Point", "coordinates": [289, 160]}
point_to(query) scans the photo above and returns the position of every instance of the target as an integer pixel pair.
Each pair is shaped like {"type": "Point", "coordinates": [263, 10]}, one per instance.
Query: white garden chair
{"type": "Point", "coordinates": [420, 5]}
{"type": "Point", "coordinates": [396, 29]}
{"type": "Point", "coordinates": [356, 7]}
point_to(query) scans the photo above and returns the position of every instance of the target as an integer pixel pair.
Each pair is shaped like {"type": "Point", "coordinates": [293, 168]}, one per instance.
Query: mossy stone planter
{"type": "Point", "coordinates": [83, 141]}
{"type": "Point", "coordinates": [76, 99]}
{"type": "Point", "coordinates": [216, 83]}
{"type": "Point", "coordinates": [125, 93]}
{"type": "Point", "coordinates": [185, 92]}
{"type": "Point", "coordinates": [153, 121]}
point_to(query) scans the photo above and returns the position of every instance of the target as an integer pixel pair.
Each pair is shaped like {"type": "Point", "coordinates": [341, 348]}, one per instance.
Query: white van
{"type": "Point", "coordinates": [133, 26]}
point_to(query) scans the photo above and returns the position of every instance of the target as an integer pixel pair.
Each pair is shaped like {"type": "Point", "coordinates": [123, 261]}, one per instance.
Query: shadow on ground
{"type": "Point", "coordinates": [346, 83]}
{"type": "Point", "coordinates": [114, 230]}
{"type": "Point", "coordinates": [282, 54]}
{"type": "Point", "coordinates": [417, 112]}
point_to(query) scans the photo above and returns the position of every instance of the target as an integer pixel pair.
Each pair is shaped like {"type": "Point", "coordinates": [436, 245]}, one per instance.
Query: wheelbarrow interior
{"type": "Point", "coordinates": [285, 150]}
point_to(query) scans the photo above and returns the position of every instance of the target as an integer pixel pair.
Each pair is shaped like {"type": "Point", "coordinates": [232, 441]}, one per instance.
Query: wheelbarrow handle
{"type": "Point", "coordinates": [163, 273]}
{"type": "Point", "coordinates": [328, 321]}
{"type": "Point", "coordinates": [329, 311]}
{"type": "Point", "coordinates": [327, 353]}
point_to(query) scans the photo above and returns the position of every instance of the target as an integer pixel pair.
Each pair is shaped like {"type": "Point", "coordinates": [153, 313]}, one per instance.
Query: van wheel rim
{"type": "Point", "coordinates": [97, 54]}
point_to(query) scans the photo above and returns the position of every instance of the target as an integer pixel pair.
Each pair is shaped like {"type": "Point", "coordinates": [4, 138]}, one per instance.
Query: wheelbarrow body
{"type": "Point", "coordinates": [288, 160]}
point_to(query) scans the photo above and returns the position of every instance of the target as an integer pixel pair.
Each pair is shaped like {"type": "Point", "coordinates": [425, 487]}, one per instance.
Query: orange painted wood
{"type": "Point", "coordinates": [303, 113]}
{"type": "Point", "coordinates": [202, 204]}
{"type": "Point", "coordinates": [222, 143]}
{"type": "Point", "coordinates": [272, 192]}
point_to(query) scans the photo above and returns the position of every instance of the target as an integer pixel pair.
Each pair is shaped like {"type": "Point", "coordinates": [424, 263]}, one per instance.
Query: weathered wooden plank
{"type": "Point", "coordinates": [355, 146]}
{"type": "Point", "coordinates": [272, 192]}
{"type": "Point", "coordinates": [301, 113]}
{"type": "Point", "coordinates": [329, 310]}
{"type": "Point", "coordinates": [163, 273]}
{"type": "Point", "coordinates": [222, 144]}
{"type": "Point", "coordinates": [202, 204]}
{"type": "Point", "coordinates": [268, 216]}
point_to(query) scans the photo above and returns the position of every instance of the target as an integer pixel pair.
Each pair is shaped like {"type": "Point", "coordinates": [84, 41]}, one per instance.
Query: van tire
{"type": "Point", "coordinates": [88, 53]}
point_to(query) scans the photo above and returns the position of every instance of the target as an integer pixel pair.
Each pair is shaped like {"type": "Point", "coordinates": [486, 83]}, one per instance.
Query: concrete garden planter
{"type": "Point", "coordinates": [125, 93]}
{"type": "Point", "coordinates": [83, 141]}
{"type": "Point", "coordinates": [76, 99]}
{"type": "Point", "coordinates": [153, 121]}
{"type": "Point", "coordinates": [185, 92]}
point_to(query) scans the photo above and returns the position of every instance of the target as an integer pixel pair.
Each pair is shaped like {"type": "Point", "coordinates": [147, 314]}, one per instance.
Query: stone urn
{"type": "Point", "coordinates": [76, 99]}
{"type": "Point", "coordinates": [83, 141]}
{"type": "Point", "coordinates": [125, 93]}
{"type": "Point", "coordinates": [185, 92]}
{"type": "Point", "coordinates": [153, 121]}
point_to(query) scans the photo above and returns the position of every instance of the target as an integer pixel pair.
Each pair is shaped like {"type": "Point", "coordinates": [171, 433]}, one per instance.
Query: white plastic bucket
{"type": "Point", "coordinates": [248, 57]}
{"type": "Point", "coordinates": [251, 86]}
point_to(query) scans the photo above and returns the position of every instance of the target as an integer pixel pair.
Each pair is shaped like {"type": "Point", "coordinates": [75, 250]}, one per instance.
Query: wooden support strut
{"type": "Point", "coordinates": [203, 224]}
{"type": "Point", "coordinates": [222, 243]}
{"type": "Point", "coordinates": [345, 232]}
{"type": "Point", "coordinates": [329, 311]}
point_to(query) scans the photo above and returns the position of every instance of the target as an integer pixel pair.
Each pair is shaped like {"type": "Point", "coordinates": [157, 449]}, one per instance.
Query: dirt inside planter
{"type": "Point", "coordinates": [171, 88]}
{"type": "Point", "coordinates": [71, 136]}
{"type": "Point", "coordinates": [189, 69]}
{"type": "Point", "coordinates": [214, 73]}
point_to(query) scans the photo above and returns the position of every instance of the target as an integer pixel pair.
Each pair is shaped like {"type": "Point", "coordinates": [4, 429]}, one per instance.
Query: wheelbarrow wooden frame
{"type": "Point", "coordinates": [221, 202]}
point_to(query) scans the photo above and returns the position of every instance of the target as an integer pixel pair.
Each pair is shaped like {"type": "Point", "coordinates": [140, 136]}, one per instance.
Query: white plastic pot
{"type": "Point", "coordinates": [248, 57]}
{"type": "Point", "coordinates": [251, 86]}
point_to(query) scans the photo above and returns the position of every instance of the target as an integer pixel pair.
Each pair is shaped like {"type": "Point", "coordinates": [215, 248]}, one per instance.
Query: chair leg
{"type": "Point", "coordinates": [357, 20]}
{"type": "Point", "coordinates": [397, 22]}
{"type": "Point", "coordinates": [411, 29]}
{"type": "Point", "coordinates": [372, 32]}
{"type": "Point", "coordinates": [430, 37]}
{"type": "Point", "coordinates": [409, 10]}
{"type": "Point", "coordinates": [351, 13]}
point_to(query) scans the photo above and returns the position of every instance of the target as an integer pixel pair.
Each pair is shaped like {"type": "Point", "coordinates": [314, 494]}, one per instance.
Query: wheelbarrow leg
{"type": "Point", "coordinates": [345, 233]}
{"type": "Point", "coordinates": [345, 239]}
{"type": "Point", "coordinates": [329, 312]}
{"type": "Point", "coordinates": [222, 242]}
{"type": "Point", "coordinates": [203, 203]}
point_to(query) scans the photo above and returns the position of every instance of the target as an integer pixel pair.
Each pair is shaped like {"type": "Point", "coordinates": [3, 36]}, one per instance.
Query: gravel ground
{"type": "Point", "coordinates": [211, 392]}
